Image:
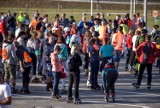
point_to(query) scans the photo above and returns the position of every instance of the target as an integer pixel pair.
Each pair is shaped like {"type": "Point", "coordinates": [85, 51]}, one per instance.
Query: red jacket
{"type": "Point", "coordinates": [140, 53]}
{"type": "Point", "coordinates": [3, 28]}
{"type": "Point", "coordinates": [129, 41]}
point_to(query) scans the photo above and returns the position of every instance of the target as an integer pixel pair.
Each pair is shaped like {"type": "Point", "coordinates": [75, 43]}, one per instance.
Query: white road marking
{"type": "Point", "coordinates": [139, 106]}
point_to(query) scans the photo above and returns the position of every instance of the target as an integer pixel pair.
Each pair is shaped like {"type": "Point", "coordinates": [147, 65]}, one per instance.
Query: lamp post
{"type": "Point", "coordinates": [91, 7]}
{"type": "Point", "coordinates": [145, 12]}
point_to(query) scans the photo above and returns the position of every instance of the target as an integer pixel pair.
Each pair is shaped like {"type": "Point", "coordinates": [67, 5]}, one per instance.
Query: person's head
{"type": "Point", "coordinates": [57, 49]}
{"type": "Point", "coordinates": [63, 15]}
{"type": "Point", "coordinates": [61, 39]}
{"type": "Point", "coordinates": [120, 29]}
{"type": "Point", "coordinates": [84, 19]}
{"type": "Point", "coordinates": [54, 29]}
{"type": "Point", "coordinates": [134, 16]}
{"type": "Point", "coordinates": [67, 30]}
{"type": "Point", "coordinates": [10, 37]}
{"type": "Point", "coordinates": [22, 34]}
{"type": "Point", "coordinates": [33, 35]}
{"type": "Point", "coordinates": [39, 34]}
{"type": "Point", "coordinates": [92, 17]}
{"type": "Point", "coordinates": [87, 34]}
{"type": "Point", "coordinates": [148, 37]}
{"type": "Point", "coordinates": [156, 27]}
{"type": "Point", "coordinates": [92, 29]}
{"type": "Point", "coordinates": [144, 32]}
{"type": "Point", "coordinates": [16, 44]}
{"type": "Point", "coordinates": [117, 17]}
{"type": "Point", "coordinates": [71, 17]}
{"type": "Point", "coordinates": [48, 34]}
{"type": "Point", "coordinates": [98, 15]}
{"type": "Point", "coordinates": [1, 78]}
{"type": "Point", "coordinates": [50, 39]}
{"type": "Point", "coordinates": [138, 15]}
{"type": "Point", "coordinates": [137, 33]}
{"type": "Point", "coordinates": [92, 41]}
{"type": "Point", "coordinates": [74, 49]}
{"type": "Point", "coordinates": [103, 23]}
{"type": "Point", "coordinates": [96, 22]}
{"type": "Point", "coordinates": [132, 32]}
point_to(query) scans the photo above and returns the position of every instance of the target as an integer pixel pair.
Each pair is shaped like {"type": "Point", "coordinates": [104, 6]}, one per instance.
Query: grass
{"type": "Point", "coordinates": [77, 13]}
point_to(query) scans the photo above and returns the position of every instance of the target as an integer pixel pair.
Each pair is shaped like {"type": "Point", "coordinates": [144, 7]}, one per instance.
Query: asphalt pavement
{"type": "Point", "coordinates": [126, 95]}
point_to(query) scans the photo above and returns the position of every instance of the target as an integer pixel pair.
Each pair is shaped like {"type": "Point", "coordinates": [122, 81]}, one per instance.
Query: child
{"type": "Point", "coordinates": [25, 62]}
{"type": "Point", "coordinates": [74, 75]}
{"type": "Point", "coordinates": [109, 77]}
{"type": "Point", "coordinates": [56, 68]}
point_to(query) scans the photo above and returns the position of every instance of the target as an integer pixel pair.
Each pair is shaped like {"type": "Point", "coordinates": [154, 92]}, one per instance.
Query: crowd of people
{"type": "Point", "coordinates": [52, 51]}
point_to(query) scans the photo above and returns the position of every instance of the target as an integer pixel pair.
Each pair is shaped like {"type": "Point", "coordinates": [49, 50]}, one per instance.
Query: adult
{"type": "Point", "coordinates": [146, 52]}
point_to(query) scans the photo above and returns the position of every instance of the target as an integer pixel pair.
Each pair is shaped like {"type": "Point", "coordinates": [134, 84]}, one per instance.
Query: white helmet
{"type": "Point", "coordinates": [67, 29]}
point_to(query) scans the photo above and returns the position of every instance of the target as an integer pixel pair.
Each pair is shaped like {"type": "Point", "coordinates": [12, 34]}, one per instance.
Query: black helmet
{"type": "Point", "coordinates": [144, 31]}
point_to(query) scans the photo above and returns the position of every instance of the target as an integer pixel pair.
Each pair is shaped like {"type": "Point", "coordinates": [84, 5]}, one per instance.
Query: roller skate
{"type": "Point", "coordinates": [148, 86]}
{"type": "Point", "coordinates": [113, 97]}
{"type": "Point", "coordinates": [93, 87]}
{"type": "Point", "coordinates": [106, 98]}
{"type": "Point", "coordinates": [86, 72]}
{"type": "Point", "coordinates": [70, 100]}
{"type": "Point", "coordinates": [55, 98]}
{"type": "Point", "coordinates": [43, 79]}
{"type": "Point", "coordinates": [14, 90]}
{"type": "Point", "coordinates": [77, 101]}
{"type": "Point", "coordinates": [35, 80]}
{"type": "Point", "coordinates": [88, 84]}
{"type": "Point", "coordinates": [136, 85]}
{"type": "Point", "coordinates": [97, 86]}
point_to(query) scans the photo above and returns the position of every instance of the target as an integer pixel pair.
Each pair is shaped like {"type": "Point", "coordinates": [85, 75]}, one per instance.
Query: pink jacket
{"type": "Point", "coordinates": [56, 64]}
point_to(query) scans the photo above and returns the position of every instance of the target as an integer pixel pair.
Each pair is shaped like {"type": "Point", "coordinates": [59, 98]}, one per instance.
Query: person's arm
{"type": "Point", "coordinates": [79, 61]}
{"type": "Point", "coordinates": [7, 96]}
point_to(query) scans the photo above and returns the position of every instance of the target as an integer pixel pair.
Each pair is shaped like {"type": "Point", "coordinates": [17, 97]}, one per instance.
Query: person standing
{"type": "Point", "coordinates": [9, 59]}
{"type": "Point", "coordinates": [56, 68]}
{"type": "Point", "coordinates": [147, 53]}
{"type": "Point", "coordinates": [74, 76]}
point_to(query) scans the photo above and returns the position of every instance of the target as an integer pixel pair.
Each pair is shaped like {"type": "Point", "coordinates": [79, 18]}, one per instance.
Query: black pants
{"type": "Point", "coordinates": [132, 57]}
{"type": "Point", "coordinates": [26, 76]}
{"type": "Point", "coordinates": [34, 63]}
{"type": "Point", "coordinates": [128, 56]}
{"type": "Point", "coordinates": [86, 60]}
{"type": "Point", "coordinates": [74, 77]}
{"type": "Point", "coordinates": [141, 71]}
{"type": "Point", "coordinates": [104, 61]}
{"type": "Point", "coordinates": [111, 79]}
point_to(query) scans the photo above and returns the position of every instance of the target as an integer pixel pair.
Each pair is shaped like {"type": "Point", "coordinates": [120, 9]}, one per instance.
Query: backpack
{"type": "Point", "coordinates": [71, 64]}
{"type": "Point", "coordinates": [147, 49]}
{"type": "Point", "coordinates": [27, 60]}
{"type": "Point", "coordinates": [139, 40]}
{"type": "Point", "coordinates": [5, 54]}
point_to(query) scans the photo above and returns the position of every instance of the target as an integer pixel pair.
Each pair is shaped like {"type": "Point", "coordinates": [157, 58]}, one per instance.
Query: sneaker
{"type": "Point", "coordinates": [136, 85]}
{"type": "Point", "coordinates": [97, 86]}
{"type": "Point", "coordinates": [70, 100]}
{"type": "Point", "coordinates": [54, 96]}
{"type": "Point", "coordinates": [148, 85]}
{"type": "Point", "coordinates": [129, 68]}
{"type": "Point", "coordinates": [58, 96]}
{"type": "Point", "coordinates": [106, 97]}
{"type": "Point", "coordinates": [77, 101]}
{"type": "Point", "coordinates": [14, 90]}
{"type": "Point", "coordinates": [88, 84]}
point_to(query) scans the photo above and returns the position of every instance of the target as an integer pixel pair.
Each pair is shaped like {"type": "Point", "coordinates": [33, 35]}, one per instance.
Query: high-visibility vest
{"type": "Point", "coordinates": [117, 41]}
{"type": "Point", "coordinates": [103, 30]}
{"type": "Point", "coordinates": [5, 54]}
{"type": "Point", "coordinates": [27, 58]}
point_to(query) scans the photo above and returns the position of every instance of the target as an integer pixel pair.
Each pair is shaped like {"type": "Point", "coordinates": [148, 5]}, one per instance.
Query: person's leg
{"type": "Point", "coordinates": [86, 63]}
{"type": "Point", "coordinates": [114, 78]}
{"type": "Point", "coordinates": [76, 84]}
{"type": "Point", "coordinates": [12, 72]}
{"type": "Point", "coordinates": [142, 68]}
{"type": "Point", "coordinates": [56, 82]}
{"type": "Point", "coordinates": [27, 78]}
{"type": "Point", "coordinates": [92, 74]}
{"type": "Point", "coordinates": [64, 80]}
{"type": "Point", "coordinates": [70, 84]}
{"type": "Point", "coordinates": [34, 64]}
{"type": "Point", "coordinates": [6, 73]}
{"type": "Point", "coordinates": [149, 72]}
{"type": "Point", "coordinates": [96, 74]}
{"type": "Point", "coordinates": [127, 60]}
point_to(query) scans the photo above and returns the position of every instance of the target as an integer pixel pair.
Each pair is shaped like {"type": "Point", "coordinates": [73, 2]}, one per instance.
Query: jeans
{"type": "Point", "coordinates": [117, 57]}
{"type": "Point", "coordinates": [39, 65]}
{"type": "Point", "coordinates": [94, 71]}
{"type": "Point", "coordinates": [56, 82]}
{"type": "Point", "coordinates": [149, 72]}
{"type": "Point", "coordinates": [128, 56]}
{"type": "Point", "coordinates": [74, 77]}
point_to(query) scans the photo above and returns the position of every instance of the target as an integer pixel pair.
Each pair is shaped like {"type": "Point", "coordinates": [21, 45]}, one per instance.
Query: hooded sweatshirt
{"type": "Point", "coordinates": [12, 58]}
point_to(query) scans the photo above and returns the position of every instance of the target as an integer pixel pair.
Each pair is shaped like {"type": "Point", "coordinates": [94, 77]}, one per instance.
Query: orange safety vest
{"type": "Point", "coordinates": [117, 41]}
{"type": "Point", "coordinates": [102, 30]}
{"type": "Point", "coordinates": [33, 23]}
{"type": "Point", "coordinates": [27, 58]}
{"type": "Point", "coordinates": [5, 54]}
